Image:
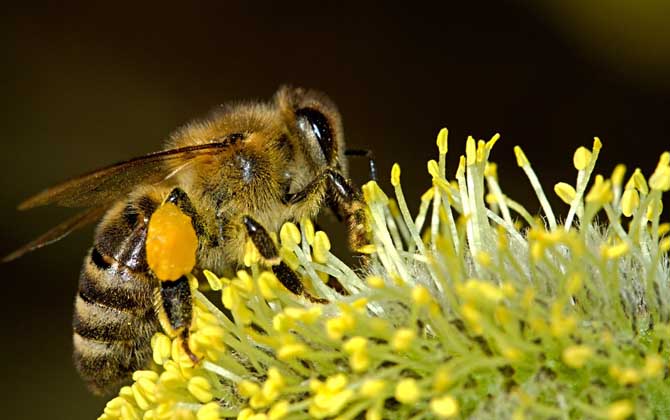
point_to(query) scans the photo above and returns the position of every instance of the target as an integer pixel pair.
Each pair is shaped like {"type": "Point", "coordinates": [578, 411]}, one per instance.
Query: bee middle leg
{"type": "Point", "coordinates": [266, 247]}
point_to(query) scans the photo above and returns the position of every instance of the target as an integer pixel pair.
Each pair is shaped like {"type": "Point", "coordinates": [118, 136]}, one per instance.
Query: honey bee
{"type": "Point", "coordinates": [237, 174]}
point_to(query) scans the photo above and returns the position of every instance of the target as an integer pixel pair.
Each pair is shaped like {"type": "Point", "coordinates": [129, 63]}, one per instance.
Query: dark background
{"type": "Point", "coordinates": [84, 87]}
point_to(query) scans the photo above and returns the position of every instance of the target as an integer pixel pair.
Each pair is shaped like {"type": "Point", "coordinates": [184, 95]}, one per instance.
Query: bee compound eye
{"type": "Point", "coordinates": [315, 125]}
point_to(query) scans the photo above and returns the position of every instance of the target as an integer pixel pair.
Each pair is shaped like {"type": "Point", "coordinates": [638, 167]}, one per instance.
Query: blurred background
{"type": "Point", "coordinates": [85, 86]}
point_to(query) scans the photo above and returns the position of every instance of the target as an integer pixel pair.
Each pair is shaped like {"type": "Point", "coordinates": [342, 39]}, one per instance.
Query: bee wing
{"type": "Point", "coordinates": [59, 232]}
{"type": "Point", "coordinates": [107, 184]}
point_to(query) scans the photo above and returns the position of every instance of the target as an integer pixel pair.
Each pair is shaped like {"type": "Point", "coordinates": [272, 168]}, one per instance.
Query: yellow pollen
{"type": "Point", "coordinates": [171, 243]}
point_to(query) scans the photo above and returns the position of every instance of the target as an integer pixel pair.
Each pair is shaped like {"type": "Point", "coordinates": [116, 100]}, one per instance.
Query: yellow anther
{"type": "Point", "coordinates": [628, 376]}
{"type": "Point", "coordinates": [655, 208]}
{"type": "Point", "coordinates": [492, 142]}
{"type": "Point", "coordinates": [359, 361]}
{"type": "Point", "coordinates": [171, 243]}
{"type": "Point", "coordinates": [597, 144]}
{"type": "Point", "coordinates": [444, 407]}
{"type": "Point", "coordinates": [291, 351]}
{"type": "Point", "coordinates": [200, 388]}
{"type": "Point", "coordinates": [395, 175]}
{"type": "Point", "coordinates": [491, 169]}
{"type": "Point", "coordinates": [245, 414]}
{"type": "Point", "coordinates": [481, 151]}
{"type": "Point", "coordinates": [576, 356]}
{"type": "Point", "coordinates": [629, 202]}
{"type": "Point", "coordinates": [653, 366]}
{"type": "Point", "coordinates": [640, 182]}
{"type": "Point", "coordinates": [660, 179]}
{"type": "Point", "coordinates": [473, 317]}
{"type": "Point", "coordinates": [407, 391]}
{"type": "Point", "coordinates": [336, 327]}
{"type": "Point", "coordinates": [308, 229]}
{"type": "Point", "coordinates": [601, 191]}
{"type": "Point", "coordinates": [512, 354]}
{"type": "Point", "coordinates": [664, 244]}
{"type": "Point", "coordinates": [442, 143]}
{"type": "Point", "coordinates": [428, 195]}
{"type": "Point", "coordinates": [433, 169]}
{"type": "Point", "coordinates": [209, 411]}
{"type": "Point", "coordinates": [279, 410]}
{"type": "Point", "coordinates": [321, 247]}
{"type": "Point", "coordinates": [145, 374]}
{"type": "Point", "coordinates": [502, 315]}
{"type": "Point", "coordinates": [376, 282]}
{"type": "Point", "coordinates": [484, 259]}
{"type": "Point", "coordinates": [470, 151]}
{"type": "Point", "coordinates": [213, 280]}
{"type": "Point", "coordinates": [620, 410]}
{"type": "Point", "coordinates": [251, 254]}
{"type": "Point", "coordinates": [618, 174]}
{"type": "Point", "coordinates": [421, 295]}
{"type": "Point", "coordinates": [161, 346]}
{"type": "Point", "coordinates": [581, 158]}
{"type": "Point", "coordinates": [290, 235]}
{"type": "Point", "coordinates": [611, 252]}
{"type": "Point", "coordinates": [521, 158]}
{"type": "Point", "coordinates": [460, 171]}
{"type": "Point", "coordinates": [372, 388]}
{"type": "Point", "coordinates": [267, 283]}
{"type": "Point", "coordinates": [248, 388]}
{"type": "Point", "coordinates": [355, 344]}
{"type": "Point", "coordinates": [402, 339]}
{"type": "Point", "coordinates": [574, 283]}
{"type": "Point", "coordinates": [565, 192]}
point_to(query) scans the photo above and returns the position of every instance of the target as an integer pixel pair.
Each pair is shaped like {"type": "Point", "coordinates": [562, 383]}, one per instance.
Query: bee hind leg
{"type": "Point", "coordinates": [266, 247]}
{"type": "Point", "coordinates": [175, 311]}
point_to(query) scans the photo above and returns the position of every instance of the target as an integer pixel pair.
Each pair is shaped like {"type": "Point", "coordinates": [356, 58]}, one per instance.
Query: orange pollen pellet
{"type": "Point", "coordinates": [171, 243]}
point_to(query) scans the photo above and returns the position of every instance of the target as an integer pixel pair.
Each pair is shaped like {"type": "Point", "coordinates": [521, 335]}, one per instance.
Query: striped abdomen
{"type": "Point", "coordinates": [114, 316]}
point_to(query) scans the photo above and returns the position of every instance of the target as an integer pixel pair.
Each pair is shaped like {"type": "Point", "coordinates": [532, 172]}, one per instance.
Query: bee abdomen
{"type": "Point", "coordinates": [113, 322]}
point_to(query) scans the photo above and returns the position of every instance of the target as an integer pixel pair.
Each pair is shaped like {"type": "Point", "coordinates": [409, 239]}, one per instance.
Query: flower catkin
{"type": "Point", "coordinates": [473, 307]}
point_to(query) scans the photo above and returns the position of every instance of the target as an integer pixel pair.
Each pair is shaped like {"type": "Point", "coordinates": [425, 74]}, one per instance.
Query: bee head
{"type": "Point", "coordinates": [314, 121]}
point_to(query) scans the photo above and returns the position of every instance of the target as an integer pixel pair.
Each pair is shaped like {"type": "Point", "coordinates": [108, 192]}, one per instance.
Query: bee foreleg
{"type": "Point", "coordinates": [266, 247]}
{"type": "Point", "coordinates": [179, 198]}
{"type": "Point", "coordinates": [347, 205]}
